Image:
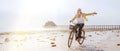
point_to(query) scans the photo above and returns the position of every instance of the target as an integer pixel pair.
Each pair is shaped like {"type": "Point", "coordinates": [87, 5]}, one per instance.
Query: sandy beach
{"type": "Point", "coordinates": [57, 41]}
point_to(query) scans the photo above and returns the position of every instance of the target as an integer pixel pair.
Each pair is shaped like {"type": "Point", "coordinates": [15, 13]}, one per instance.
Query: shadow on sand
{"type": "Point", "coordinates": [85, 48]}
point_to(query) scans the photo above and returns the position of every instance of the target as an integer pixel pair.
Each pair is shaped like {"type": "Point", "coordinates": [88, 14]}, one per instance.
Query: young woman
{"type": "Point", "coordinates": [80, 18]}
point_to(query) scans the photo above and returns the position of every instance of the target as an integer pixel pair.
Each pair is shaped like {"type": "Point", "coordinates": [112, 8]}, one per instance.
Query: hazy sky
{"type": "Point", "coordinates": [18, 13]}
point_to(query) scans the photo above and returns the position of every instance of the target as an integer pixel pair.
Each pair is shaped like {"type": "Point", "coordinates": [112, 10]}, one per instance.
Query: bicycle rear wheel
{"type": "Point", "coordinates": [70, 39]}
{"type": "Point", "coordinates": [82, 39]}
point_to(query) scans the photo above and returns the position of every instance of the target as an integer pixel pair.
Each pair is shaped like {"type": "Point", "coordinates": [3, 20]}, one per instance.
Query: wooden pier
{"type": "Point", "coordinates": [101, 27]}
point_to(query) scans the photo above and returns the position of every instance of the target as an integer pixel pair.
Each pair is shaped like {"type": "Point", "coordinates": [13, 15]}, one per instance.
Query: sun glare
{"type": "Point", "coordinates": [31, 8]}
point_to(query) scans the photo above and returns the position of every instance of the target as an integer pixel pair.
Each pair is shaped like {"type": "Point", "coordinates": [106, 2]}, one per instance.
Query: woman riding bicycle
{"type": "Point", "coordinates": [79, 18]}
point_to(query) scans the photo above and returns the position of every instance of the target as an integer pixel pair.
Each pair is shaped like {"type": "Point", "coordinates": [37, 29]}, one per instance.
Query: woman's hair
{"type": "Point", "coordinates": [79, 10]}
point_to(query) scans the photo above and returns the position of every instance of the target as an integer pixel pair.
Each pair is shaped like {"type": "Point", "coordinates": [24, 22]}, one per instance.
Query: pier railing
{"type": "Point", "coordinates": [102, 27]}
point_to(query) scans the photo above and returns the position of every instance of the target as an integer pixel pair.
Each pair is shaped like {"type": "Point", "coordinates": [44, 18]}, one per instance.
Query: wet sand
{"type": "Point", "coordinates": [57, 41]}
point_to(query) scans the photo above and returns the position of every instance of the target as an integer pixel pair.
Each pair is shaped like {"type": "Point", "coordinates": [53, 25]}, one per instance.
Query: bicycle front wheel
{"type": "Point", "coordinates": [70, 39]}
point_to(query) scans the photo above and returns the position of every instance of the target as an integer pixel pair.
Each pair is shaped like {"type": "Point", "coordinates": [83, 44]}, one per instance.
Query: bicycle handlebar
{"type": "Point", "coordinates": [71, 23]}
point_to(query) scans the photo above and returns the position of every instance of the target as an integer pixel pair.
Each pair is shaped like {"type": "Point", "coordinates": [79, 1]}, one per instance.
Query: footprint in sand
{"type": "Point", "coordinates": [1, 43]}
{"type": "Point", "coordinates": [62, 35]}
{"type": "Point", "coordinates": [118, 44]}
{"type": "Point", "coordinates": [90, 35]}
{"type": "Point", "coordinates": [7, 40]}
{"type": "Point", "coordinates": [53, 44]}
{"type": "Point", "coordinates": [117, 35]}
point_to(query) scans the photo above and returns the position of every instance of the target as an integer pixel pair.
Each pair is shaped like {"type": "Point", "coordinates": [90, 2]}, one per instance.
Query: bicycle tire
{"type": "Point", "coordinates": [70, 39]}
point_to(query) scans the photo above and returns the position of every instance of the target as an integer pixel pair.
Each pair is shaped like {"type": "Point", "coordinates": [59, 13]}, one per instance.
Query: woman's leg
{"type": "Point", "coordinates": [80, 29]}
{"type": "Point", "coordinates": [77, 32]}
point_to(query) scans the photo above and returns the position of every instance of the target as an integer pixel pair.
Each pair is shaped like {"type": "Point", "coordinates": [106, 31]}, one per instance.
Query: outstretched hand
{"type": "Point", "coordinates": [94, 13]}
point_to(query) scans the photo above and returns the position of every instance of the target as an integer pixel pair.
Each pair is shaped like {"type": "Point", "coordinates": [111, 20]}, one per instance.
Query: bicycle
{"type": "Point", "coordinates": [72, 33]}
